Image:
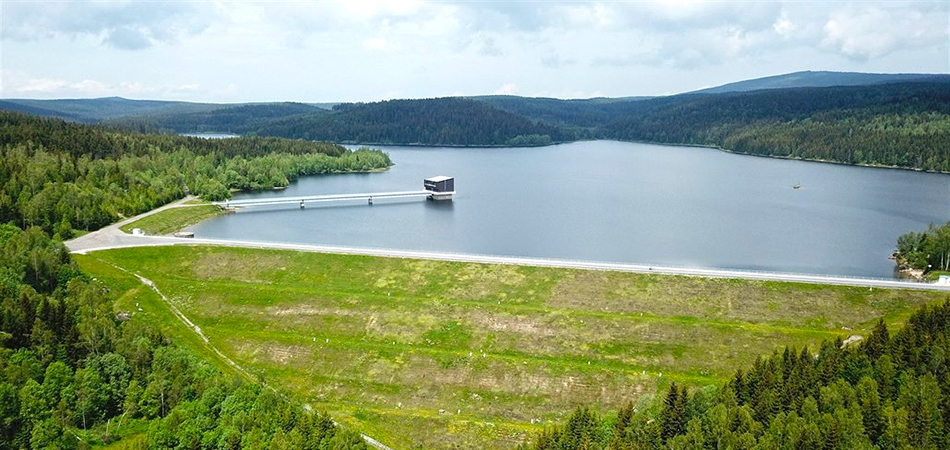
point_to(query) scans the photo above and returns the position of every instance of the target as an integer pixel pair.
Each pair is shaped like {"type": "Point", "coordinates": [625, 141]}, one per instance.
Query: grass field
{"type": "Point", "coordinates": [173, 219]}
{"type": "Point", "coordinates": [430, 354]}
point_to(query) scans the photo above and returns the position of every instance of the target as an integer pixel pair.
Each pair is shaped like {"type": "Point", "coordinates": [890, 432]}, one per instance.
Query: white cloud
{"type": "Point", "coordinates": [17, 84]}
{"type": "Point", "coordinates": [875, 31]}
{"type": "Point", "coordinates": [286, 49]}
{"type": "Point", "coordinates": [375, 44]}
{"type": "Point", "coordinates": [783, 26]}
{"type": "Point", "coordinates": [125, 24]}
{"type": "Point", "coordinates": [507, 89]}
{"type": "Point", "coordinates": [555, 62]}
{"type": "Point", "coordinates": [40, 85]}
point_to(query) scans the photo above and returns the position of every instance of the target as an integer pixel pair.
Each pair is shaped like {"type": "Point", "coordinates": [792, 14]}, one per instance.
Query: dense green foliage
{"type": "Point", "coordinates": [890, 392]}
{"type": "Point", "coordinates": [73, 374]}
{"type": "Point", "coordinates": [238, 119]}
{"type": "Point", "coordinates": [879, 119]}
{"type": "Point", "coordinates": [92, 110]}
{"type": "Point", "coordinates": [62, 177]}
{"type": "Point", "coordinates": [928, 250]}
{"type": "Point", "coordinates": [903, 125]}
{"type": "Point", "coordinates": [440, 121]}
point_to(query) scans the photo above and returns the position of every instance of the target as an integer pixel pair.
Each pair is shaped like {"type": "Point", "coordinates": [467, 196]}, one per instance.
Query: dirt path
{"type": "Point", "coordinates": [230, 362]}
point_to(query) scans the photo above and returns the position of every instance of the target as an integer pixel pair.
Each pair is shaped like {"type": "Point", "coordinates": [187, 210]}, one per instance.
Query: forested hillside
{"type": "Point", "coordinates": [62, 176]}
{"type": "Point", "coordinates": [92, 110]}
{"type": "Point", "coordinates": [75, 375]}
{"type": "Point", "coordinates": [903, 125]}
{"type": "Point", "coordinates": [820, 78]}
{"type": "Point", "coordinates": [875, 119]}
{"type": "Point", "coordinates": [241, 119]}
{"type": "Point", "coordinates": [890, 392]}
{"type": "Point", "coordinates": [581, 116]}
{"type": "Point", "coordinates": [441, 121]}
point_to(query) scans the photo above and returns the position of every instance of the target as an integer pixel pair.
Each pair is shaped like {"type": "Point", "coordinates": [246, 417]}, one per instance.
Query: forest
{"type": "Point", "coordinates": [888, 392]}
{"type": "Point", "coordinates": [901, 124]}
{"type": "Point", "coordinates": [928, 250]}
{"type": "Point", "coordinates": [899, 121]}
{"type": "Point", "coordinates": [240, 119]}
{"type": "Point", "coordinates": [64, 177]}
{"type": "Point", "coordinates": [439, 121]}
{"type": "Point", "coordinates": [74, 374]}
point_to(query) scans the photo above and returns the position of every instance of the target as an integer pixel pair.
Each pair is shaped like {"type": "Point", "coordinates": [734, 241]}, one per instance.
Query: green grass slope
{"type": "Point", "coordinates": [438, 355]}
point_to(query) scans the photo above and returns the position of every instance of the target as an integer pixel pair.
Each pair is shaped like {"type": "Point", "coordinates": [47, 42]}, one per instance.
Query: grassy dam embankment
{"type": "Point", "coordinates": [436, 354]}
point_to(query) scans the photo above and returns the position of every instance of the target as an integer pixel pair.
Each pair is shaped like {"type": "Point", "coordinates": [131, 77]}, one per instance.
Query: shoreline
{"type": "Point", "coordinates": [633, 141]}
{"type": "Point", "coordinates": [665, 144]}
{"type": "Point", "coordinates": [91, 243]}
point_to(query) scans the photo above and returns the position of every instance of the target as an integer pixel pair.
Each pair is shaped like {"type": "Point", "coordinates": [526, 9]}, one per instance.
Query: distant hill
{"type": "Point", "coordinates": [98, 109]}
{"type": "Point", "coordinates": [574, 113]}
{"type": "Point", "coordinates": [898, 120]}
{"type": "Point", "coordinates": [438, 121]}
{"type": "Point", "coordinates": [896, 124]}
{"type": "Point", "coordinates": [240, 119]}
{"type": "Point", "coordinates": [821, 79]}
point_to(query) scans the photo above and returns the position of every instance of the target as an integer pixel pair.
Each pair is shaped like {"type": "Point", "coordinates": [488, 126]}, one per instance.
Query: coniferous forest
{"type": "Point", "coordinates": [889, 392]}
{"type": "Point", "coordinates": [928, 250]}
{"type": "Point", "coordinates": [901, 124]}
{"type": "Point", "coordinates": [73, 374]}
{"type": "Point", "coordinates": [63, 177]}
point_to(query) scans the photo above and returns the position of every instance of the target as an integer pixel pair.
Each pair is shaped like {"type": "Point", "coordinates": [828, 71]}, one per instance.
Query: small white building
{"type": "Point", "coordinates": [442, 187]}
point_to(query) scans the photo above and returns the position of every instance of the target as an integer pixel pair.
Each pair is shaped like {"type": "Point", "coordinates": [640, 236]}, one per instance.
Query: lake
{"type": "Point", "coordinates": [617, 202]}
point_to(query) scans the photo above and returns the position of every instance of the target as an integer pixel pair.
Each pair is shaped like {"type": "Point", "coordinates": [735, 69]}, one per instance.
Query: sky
{"type": "Point", "coordinates": [330, 51]}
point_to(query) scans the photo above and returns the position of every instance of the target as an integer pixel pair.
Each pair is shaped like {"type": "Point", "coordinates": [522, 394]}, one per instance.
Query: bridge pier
{"type": "Point", "coordinates": [371, 200]}
{"type": "Point", "coordinates": [301, 204]}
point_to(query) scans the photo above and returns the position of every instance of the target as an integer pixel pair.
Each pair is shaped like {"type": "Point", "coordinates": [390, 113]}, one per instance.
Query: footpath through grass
{"type": "Point", "coordinates": [438, 355]}
{"type": "Point", "coordinates": [173, 219]}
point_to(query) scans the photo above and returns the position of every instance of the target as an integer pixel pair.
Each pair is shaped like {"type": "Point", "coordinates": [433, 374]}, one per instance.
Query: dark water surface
{"type": "Point", "coordinates": [617, 202]}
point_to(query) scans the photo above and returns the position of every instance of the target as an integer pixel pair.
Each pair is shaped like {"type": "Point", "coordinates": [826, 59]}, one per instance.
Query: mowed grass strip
{"type": "Point", "coordinates": [430, 354]}
{"type": "Point", "coordinates": [173, 219]}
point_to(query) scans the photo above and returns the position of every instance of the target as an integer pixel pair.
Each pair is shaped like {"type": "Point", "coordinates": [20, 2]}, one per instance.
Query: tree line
{"type": "Point", "coordinates": [928, 250]}
{"type": "Point", "coordinates": [63, 177]}
{"type": "Point", "coordinates": [902, 124]}
{"type": "Point", "coordinates": [890, 392]}
{"type": "Point", "coordinates": [439, 121]}
{"type": "Point", "coordinates": [75, 375]}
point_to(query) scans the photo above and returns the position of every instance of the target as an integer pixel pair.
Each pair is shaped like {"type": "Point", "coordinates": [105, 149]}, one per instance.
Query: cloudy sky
{"type": "Point", "coordinates": [313, 51]}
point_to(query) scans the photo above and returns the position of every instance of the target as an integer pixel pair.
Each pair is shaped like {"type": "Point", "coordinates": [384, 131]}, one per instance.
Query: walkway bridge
{"type": "Point", "coordinates": [302, 201]}
{"type": "Point", "coordinates": [436, 188]}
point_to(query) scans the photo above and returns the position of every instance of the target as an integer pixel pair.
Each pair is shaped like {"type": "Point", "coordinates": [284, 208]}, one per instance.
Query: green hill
{"type": "Point", "coordinates": [438, 121]}
{"type": "Point", "coordinates": [97, 109]}
{"type": "Point", "coordinates": [240, 119]}
{"type": "Point", "coordinates": [900, 120]}
{"type": "Point", "coordinates": [901, 124]}
{"type": "Point", "coordinates": [822, 79]}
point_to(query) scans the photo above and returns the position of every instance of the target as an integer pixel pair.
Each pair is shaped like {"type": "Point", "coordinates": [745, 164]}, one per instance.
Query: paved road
{"type": "Point", "coordinates": [111, 237]}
